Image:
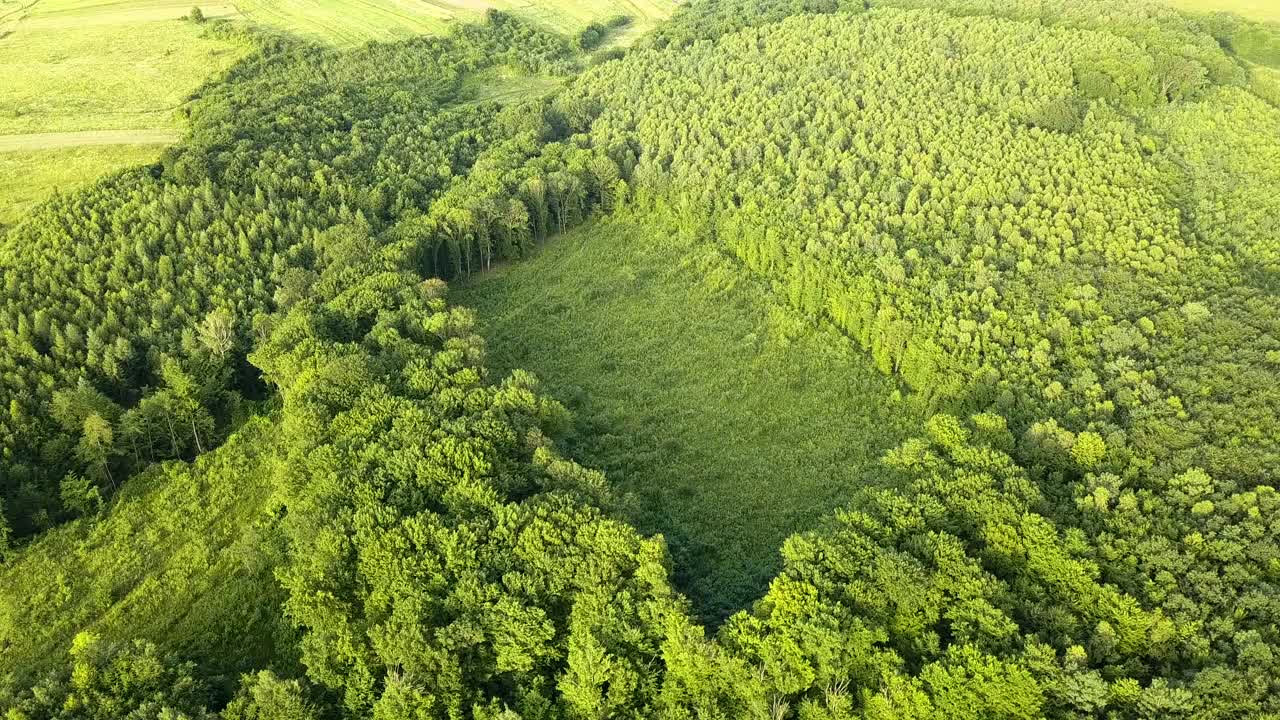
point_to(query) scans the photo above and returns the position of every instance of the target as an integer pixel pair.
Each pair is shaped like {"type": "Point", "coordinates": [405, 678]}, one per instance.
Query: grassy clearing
{"type": "Point", "coordinates": [27, 177]}
{"type": "Point", "coordinates": [180, 559]}
{"type": "Point", "coordinates": [731, 423]}
{"type": "Point", "coordinates": [506, 85]}
{"type": "Point", "coordinates": [1259, 44]}
{"type": "Point", "coordinates": [97, 81]}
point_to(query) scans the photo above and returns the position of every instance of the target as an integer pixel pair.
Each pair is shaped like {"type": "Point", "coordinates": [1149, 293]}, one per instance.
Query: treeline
{"type": "Point", "coordinates": [150, 282]}
{"type": "Point", "coordinates": [1186, 50]}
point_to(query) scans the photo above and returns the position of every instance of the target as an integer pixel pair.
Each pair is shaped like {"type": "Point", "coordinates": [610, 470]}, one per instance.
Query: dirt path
{"type": "Point", "coordinates": [49, 141]}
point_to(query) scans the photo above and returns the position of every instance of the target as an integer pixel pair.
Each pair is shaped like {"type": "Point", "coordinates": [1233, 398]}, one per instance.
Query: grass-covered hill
{"type": "Point", "coordinates": [819, 360]}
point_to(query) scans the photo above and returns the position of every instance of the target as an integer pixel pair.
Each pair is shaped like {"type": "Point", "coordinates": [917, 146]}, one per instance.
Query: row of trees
{"type": "Point", "coordinates": [1185, 50]}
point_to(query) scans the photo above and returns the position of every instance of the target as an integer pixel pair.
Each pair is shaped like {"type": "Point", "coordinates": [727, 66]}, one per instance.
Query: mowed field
{"type": "Point", "coordinates": [92, 87]}
{"type": "Point", "coordinates": [349, 22]}
{"type": "Point", "coordinates": [75, 66]}
{"type": "Point", "coordinates": [29, 176]}
{"type": "Point", "coordinates": [87, 66]}
{"type": "Point", "coordinates": [1264, 10]}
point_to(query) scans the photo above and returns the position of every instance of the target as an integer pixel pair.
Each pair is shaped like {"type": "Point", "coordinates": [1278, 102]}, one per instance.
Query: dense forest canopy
{"type": "Point", "coordinates": [1056, 227]}
{"type": "Point", "coordinates": [150, 281]}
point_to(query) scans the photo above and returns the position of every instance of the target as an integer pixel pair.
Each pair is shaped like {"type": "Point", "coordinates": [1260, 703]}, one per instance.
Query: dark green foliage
{"type": "Point", "coordinates": [1255, 42]}
{"type": "Point", "coordinates": [419, 497]}
{"type": "Point", "coordinates": [590, 37]}
{"type": "Point", "coordinates": [1060, 115]}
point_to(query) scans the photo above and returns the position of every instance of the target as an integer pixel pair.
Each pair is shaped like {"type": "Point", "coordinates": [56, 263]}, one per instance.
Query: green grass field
{"type": "Point", "coordinates": [110, 76]}
{"type": "Point", "coordinates": [351, 23]}
{"type": "Point", "coordinates": [27, 177]}
{"type": "Point", "coordinates": [1264, 10]}
{"type": "Point", "coordinates": [731, 423]}
{"type": "Point", "coordinates": [74, 65]}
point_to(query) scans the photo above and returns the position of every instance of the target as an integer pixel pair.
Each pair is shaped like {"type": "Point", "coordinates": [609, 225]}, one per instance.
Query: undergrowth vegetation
{"type": "Point", "coordinates": [729, 420]}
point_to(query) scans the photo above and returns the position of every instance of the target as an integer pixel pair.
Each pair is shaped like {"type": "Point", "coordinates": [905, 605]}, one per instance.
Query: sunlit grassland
{"type": "Point", "coordinates": [27, 177]}
{"type": "Point", "coordinates": [505, 85]}
{"type": "Point", "coordinates": [73, 65]}
{"type": "Point", "coordinates": [345, 23]}
{"type": "Point", "coordinates": [182, 557]}
{"type": "Point", "coordinates": [103, 76]}
{"type": "Point", "coordinates": [1264, 10]}
{"type": "Point", "coordinates": [731, 423]}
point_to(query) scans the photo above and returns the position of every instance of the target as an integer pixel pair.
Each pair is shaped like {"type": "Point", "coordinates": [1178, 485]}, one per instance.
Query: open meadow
{"type": "Point", "coordinates": [729, 421]}
{"type": "Point", "coordinates": [80, 67]}
{"type": "Point", "coordinates": [353, 23]}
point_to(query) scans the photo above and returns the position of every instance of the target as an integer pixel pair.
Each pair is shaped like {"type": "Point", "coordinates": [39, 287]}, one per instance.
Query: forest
{"type": "Point", "coordinates": [804, 359]}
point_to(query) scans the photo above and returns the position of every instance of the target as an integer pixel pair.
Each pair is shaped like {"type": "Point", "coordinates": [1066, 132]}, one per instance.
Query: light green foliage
{"type": "Point", "coordinates": [1213, 536]}
{"type": "Point", "coordinates": [1088, 450]}
{"type": "Point", "coordinates": [183, 558]}
{"type": "Point", "coordinates": [264, 696]}
{"type": "Point", "coordinates": [969, 250]}
{"type": "Point", "coordinates": [952, 572]}
{"type": "Point", "coordinates": [732, 423]}
{"type": "Point", "coordinates": [109, 681]}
